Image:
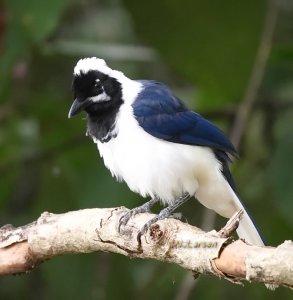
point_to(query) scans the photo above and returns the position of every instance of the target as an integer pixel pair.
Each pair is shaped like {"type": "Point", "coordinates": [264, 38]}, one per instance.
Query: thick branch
{"type": "Point", "coordinates": [91, 230]}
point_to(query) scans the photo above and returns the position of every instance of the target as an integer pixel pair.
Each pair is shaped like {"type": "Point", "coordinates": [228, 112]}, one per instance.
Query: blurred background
{"type": "Point", "coordinates": [231, 61]}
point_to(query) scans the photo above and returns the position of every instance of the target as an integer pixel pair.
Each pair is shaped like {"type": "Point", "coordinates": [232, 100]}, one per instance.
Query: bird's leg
{"type": "Point", "coordinates": [146, 207]}
{"type": "Point", "coordinates": [164, 213]}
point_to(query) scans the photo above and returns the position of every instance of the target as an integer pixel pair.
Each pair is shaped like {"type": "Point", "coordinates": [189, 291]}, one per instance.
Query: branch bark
{"type": "Point", "coordinates": [90, 230]}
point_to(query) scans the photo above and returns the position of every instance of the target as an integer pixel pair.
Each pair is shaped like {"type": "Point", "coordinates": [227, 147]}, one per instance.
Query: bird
{"type": "Point", "coordinates": [148, 138]}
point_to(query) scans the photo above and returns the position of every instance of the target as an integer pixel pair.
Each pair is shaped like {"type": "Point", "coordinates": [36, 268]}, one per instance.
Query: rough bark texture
{"type": "Point", "coordinates": [91, 230]}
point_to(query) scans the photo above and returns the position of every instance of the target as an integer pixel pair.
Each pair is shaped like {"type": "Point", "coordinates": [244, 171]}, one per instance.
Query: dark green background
{"type": "Point", "coordinates": [205, 51]}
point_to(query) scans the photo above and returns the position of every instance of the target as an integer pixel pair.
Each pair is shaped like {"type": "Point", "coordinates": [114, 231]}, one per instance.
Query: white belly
{"type": "Point", "coordinates": [157, 168]}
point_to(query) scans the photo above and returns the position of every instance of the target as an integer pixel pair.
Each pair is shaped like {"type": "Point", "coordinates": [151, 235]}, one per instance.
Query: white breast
{"type": "Point", "coordinates": [157, 168]}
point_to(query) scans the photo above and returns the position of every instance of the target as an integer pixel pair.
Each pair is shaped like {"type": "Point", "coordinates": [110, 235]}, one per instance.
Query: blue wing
{"type": "Point", "coordinates": [164, 116]}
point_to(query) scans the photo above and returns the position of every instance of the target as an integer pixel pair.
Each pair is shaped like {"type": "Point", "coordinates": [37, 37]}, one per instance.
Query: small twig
{"type": "Point", "coordinates": [231, 225]}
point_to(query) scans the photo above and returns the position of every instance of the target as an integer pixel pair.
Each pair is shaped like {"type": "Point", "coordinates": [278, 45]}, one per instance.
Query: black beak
{"type": "Point", "coordinates": [77, 106]}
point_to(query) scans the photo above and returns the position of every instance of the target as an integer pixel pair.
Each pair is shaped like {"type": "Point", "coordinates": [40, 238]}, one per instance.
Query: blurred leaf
{"type": "Point", "coordinates": [282, 54]}
{"type": "Point", "coordinates": [35, 19]}
{"type": "Point", "coordinates": [212, 43]}
{"type": "Point", "coordinates": [29, 22]}
{"type": "Point", "coordinates": [282, 174]}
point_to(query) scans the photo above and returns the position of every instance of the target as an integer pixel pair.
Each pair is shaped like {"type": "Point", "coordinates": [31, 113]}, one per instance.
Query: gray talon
{"type": "Point", "coordinates": [164, 213]}
{"type": "Point", "coordinates": [140, 209]}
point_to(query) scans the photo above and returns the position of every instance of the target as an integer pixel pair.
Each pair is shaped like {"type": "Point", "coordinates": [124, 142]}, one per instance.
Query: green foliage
{"type": "Point", "coordinates": [32, 19]}
{"type": "Point", "coordinates": [281, 168]}
{"type": "Point", "coordinates": [29, 23]}
{"type": "Point", "coordinates": [212, 43]}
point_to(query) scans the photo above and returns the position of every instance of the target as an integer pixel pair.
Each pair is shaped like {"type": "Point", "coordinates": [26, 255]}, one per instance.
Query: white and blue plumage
{"type": "Point", "coordinates": [151, 140]}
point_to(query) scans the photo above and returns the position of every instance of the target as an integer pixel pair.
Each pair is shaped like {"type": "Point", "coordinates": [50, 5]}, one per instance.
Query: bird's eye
{"type": "Point", "coordinates": [97, 83]}
{"type": "Point", "coordinates": [98, 88]}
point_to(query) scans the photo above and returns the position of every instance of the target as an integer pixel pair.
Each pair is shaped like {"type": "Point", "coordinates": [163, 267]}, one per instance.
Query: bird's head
{"type": "Point", "coordinates": [95, 86]}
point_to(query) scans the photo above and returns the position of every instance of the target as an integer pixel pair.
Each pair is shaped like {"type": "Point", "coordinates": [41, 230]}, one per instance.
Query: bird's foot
{"type": "Point", "coordinates": [146, 207]}
{"type": "Point", "coordinates": [164, 213]}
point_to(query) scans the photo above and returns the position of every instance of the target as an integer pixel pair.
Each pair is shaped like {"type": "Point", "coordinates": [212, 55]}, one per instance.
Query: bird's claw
{"type": "Point", "coordinates": [146, 207]}
{"type": "Point", "coordinates": [142, 231]}
{"type": "Point", "coordinates": [164, 213]}
{"type": "Point", "coordinates": [125, 218]}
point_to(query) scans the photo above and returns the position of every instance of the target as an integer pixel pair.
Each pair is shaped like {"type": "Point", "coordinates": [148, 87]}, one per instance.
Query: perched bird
{"type": "Point", "coordinates": [151, 140]}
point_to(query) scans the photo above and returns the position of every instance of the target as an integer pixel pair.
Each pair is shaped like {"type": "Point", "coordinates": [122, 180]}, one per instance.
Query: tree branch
{"type": "Point", "coordinates": [170, 240]}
